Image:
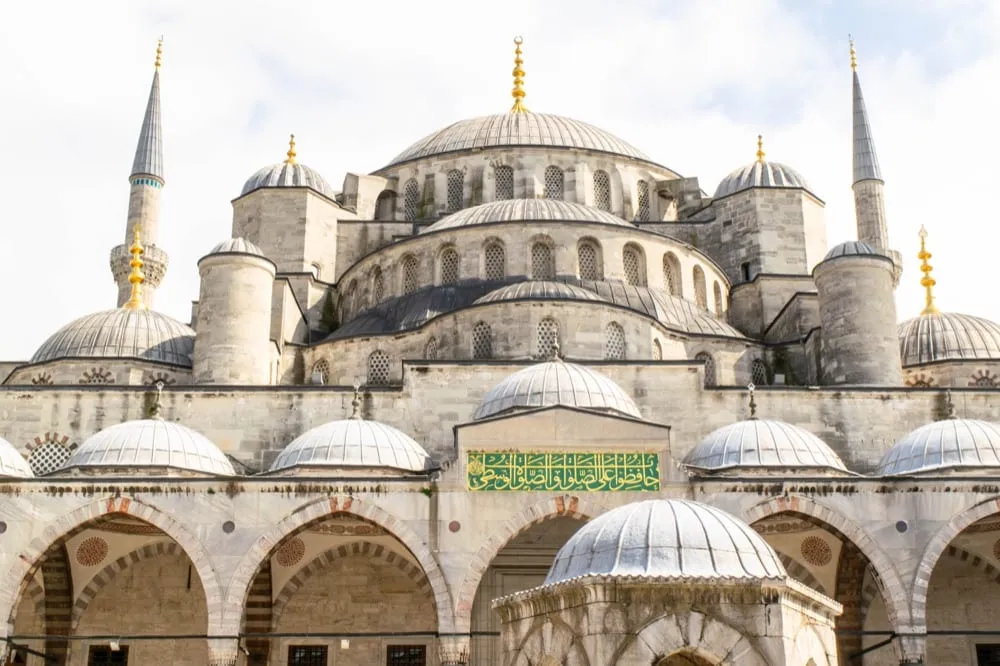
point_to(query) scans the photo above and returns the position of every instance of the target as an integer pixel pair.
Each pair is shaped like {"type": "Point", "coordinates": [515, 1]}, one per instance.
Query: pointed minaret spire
{"type": "Point", "coordinates": [865, 159]}
{"type": "Point", "coordinates": [149, 151]}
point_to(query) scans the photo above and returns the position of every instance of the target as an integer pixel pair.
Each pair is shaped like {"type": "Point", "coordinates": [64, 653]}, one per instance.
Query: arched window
{"type": "Point", "coordinates": [642, 205]}
{"type": "Point", "coordinates": [349, 302]}
{"type": "Point", "coordinates": [634, 266]}
{"type": "Point", "coordinates": [554, 183]}
{"type": "Point", "coordinates": [385, 205]}
{"type": "Point", "coordinates": [409, 265]}
{"type": "Point", "coordinates": [431, 349]}
{"type": "Point", "coordinates": [602, 190]}
{"type": "Point", "coordinates": [411, 200]}
{"type": "Point", "coordinates": [672, 274]}
{"type": "Point", "coordinates": [547, 335]}
{"type": "Point", "coordinates": [542, 265]}
{"type": "Point", "coordinates": [320, 372]}
{"type": "Point", "coordinates": [482, 341]}
{"type": "Point", "coordinates": [657, 351]}
{"type": "Point", "coordinates": [614, 342]}
{"type": "Point", "coordinates": [51, 455]}
{"type": "Point", "coordinates": [503, 177]}
{"type": "Point", "coordinates": [589, 261]}
{"type": "Point", "coordinates": [378, 286]}
{"type": "Point", "coordinates": [717, 292]}
{"type": "Point", "coordinates": [449, 266]}
{"type": "Point", "coordinates": [456, 183]}
{"type": "Point", "coordinates": [758, 372]}
{"type": "Point", "coordinates": [709, 367]}
{"type": "Point", "coordinates": [495, 261]}
{"type": "Point", "coordinates": [378, 368]}
{"type": "Point", "coordinates": [700, 289]}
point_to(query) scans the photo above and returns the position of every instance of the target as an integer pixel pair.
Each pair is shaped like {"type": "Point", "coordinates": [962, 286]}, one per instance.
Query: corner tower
{"type": "Point", "coordinates": [145, 185]}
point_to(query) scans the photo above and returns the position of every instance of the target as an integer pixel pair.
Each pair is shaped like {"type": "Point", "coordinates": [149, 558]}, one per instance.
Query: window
{"type": "Point", "coordinates": [709, 367]}
{"type": "Point", "coordinates": [409, 284]}
{"type": "Point", "coordinates": [456, 182]}
{"type": "Point", "coordinates": [988, 655]}
{"type": "Point", "coordinates": [385, 205]}
{"type": "Point", "coordinates": [350, 302]}
{"type": "Point", "coordinates": [321, 372]}
{"type": "Point", "coordinates": [378, 286]}
{"type": "Point", "coordinates": [495, 262]}
{"type": "Point", "coordinates": [406, 655]}
{"type": "Point", "coordinates": [672, 274]}
{"type": "Point", "coordinates": [378, 368]}
{"type": "Point", "coordinates": [700, 295]}
{"type": "Point", "coordinates": [554, 181]}
{"type": "Point", "coordinates": [307, 655]}
{"type": "Point", "coordinates": [602, 190]}
{"type": "Point", "coordinates": [717, 292]}
{"type": "Point", "coordinates": [103, 655]}
{"type": "Point", "coordinates": [48, 457]}
{"type": "Point", "coordinates": [542, 266]}
{"type": "Point", "coordinates": [411, 200]}
{"type": "Point", "coordinates": [449, 266]}
{"type": "Point", "coordinates": [635, 267]}
{"type": "Point", "coordinates": [745, 271]}
{"type": "Point", "coordinates": [588, 262]}
{"type": "Point", "coordinates": [642, 207]}
{"type": "Point", "coordinates": [482, 341]}
{"type": "Point", "coordinates": [547, 335]}
{"type": "Point", "coordinates": [504, 182]}
{"type": "Point", "coordinates": [431, 350]}
{"type": "Point", "coordinates": [614, 342]}
{"type": "Point", "coordinates": [758, 372]}
{"type": "Point", "coordinates": [657, 351]}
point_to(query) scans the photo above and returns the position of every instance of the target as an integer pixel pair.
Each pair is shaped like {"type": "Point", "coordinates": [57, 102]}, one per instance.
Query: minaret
{"type": "Point", "coordinates": [146, 183]}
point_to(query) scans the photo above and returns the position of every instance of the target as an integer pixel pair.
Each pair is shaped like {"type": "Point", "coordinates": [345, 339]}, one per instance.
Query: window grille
{"type": "Point", "coordinates": [482, 341]}
{"type": "Point", "coordinates": [717, 292]}
{"type": "Point", "coordinates": [378, 368]}
{"type": "Point", "coordinates": [547, 333]}
{"type": "Point", "coordinates": [431, 350]}
{"type": "Point", "coordinates": [614, 342]}
{"type": "Point", "coordinates": [657, 351]}
{"type": "Point", "coordinates": [409, 274]}
{"type": "Point", "coordinates": [642, 209]}
{"type": "Point", "coordinates": [307, 655]}
{"type": "Point", "coordinates": [449, 266]}
{"type": "Point", "coordinates": [671, 274]}
{"type": "Point", "coordinates": [633, 266]}
{"type": "Point", "coordinates": [700, 295]}
{"type": "Point", "coordinates": [406, 655]}
{"type": "Point", "coordinates": [588, 264]}
{"type": "Point", "coordinates": [378, 286]}
{"type": "Point", "coordinates": [456, 182]}
{"type": "Point", "coordinates": [602, 190]}
{"type": "Point", "coordinates": [48, 457]}
{"type": "Point", "coordinates": [103, 655]}
{"type": "Point", "coordinates": [758, 372]}
{"type": "Point", "coordinates": [504, 179]}
{"type": "Point", "coordinates": [97, 376]}
{"type": "Point", "coordinates": [554, 183]}
{"type": "Point", "coordinates": [495, 262]}
{"type": "Point", "coordinates": [411, 200]}
{"type": "Point", "coordinates": [542, 267]}
{"type": "Point", "coordinates": [320, 372]}
{"type": "Point", "coordinates": [709, 367]}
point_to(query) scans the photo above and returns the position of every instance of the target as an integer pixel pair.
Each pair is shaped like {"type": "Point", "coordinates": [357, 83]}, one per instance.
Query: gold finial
{"type": "Point", "coordinates": [760, 148]}
{"type": "Point", "coordinates": [753, 403]}
{"type": "Point", "coordinates": [291, 150]}
{"type": "Point", "coordinates": [136, 278]}
{"type": "Point", "coordinates": [854, 55]}
{"type": "Point", "coordinates": [159, 53]}
{"type": "Point", "coordinates": [518, 92]}
{"type": "Point", "coordinates": [927, 282]}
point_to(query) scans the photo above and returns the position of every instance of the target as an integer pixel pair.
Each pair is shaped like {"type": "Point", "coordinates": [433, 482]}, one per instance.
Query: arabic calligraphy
{"type": "Point", "coordinates": [593, 471]}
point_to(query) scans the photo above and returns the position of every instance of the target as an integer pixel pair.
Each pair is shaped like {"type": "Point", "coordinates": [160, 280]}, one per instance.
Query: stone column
{"type": "Point", "coordinates": [223, 651]}
{"type": "Point", "coordinates": [910, 649]}
{"type": "Point", "coordinates": [453, 650]}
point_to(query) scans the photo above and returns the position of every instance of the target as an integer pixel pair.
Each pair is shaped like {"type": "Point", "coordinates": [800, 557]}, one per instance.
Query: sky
{"type": "Point", "coordinates": [689, 83]}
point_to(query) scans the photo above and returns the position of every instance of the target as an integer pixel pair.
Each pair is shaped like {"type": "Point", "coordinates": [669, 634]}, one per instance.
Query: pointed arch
{"type": "Point", "coordinates": [712, 642]}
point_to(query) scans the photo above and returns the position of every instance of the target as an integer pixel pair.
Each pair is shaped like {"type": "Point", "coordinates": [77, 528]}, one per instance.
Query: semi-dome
{"type": "Point", "coordinates": [520, 210]}
{"type": "Point", "coordinates": [354, 442]}
{"type": "Point", "coordinates": [284, 174]}
{"type": "Point", "coordinates": [762, 443]}
{"type": "Point", "coordinates": [540, 290]}
{"type": "Point", "coordinates": [760, 174]}
{"type": "Point", "coordinates": [944, 444]}
{"type": "Point", "coordinates": [238, 245]}
{"type": "Point", "coordinates": [150, 443]}
{"type": "Point", "coordinates": [522, 129]}
{"type": "Point", "coordinates": [12, 463]}
{"type": "Point", "coordinates": [557, 383]}
{"type": "Point", "coordinates": [122, 333]}
{"type": "Point", "coordinates": [851, 249]}
{"type": "Point", "coordinates": [948, 336]}
{"type": "Point", "coordinates": [666, 538]}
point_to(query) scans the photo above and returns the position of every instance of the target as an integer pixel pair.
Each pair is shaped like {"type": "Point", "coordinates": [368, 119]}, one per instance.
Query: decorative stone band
{"type": "Point", "coordinates": [598, 471]}
{"type": "Point", "coordinates": [154, 266]}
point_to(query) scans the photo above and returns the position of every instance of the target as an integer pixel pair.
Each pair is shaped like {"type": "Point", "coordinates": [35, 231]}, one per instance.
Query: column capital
{"type": "Point", "coordinates": [453, 650]}
{"type": "Point", "coordinates": [223, 651]}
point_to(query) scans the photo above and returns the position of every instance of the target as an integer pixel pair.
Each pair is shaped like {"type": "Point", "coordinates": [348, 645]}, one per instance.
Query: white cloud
{"type": "Point", "coordinates": [691, 84]}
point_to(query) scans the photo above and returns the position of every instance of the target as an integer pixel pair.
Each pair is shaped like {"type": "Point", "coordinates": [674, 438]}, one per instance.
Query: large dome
{"type": "Point", "coordinates": [13, 463]}
{"type": "Point", "coordinates": [284, 174]}
{"type": "Point", "coordinates": [354, 443]}
{"type": "Point", "coordinates": [666, 538]}
{"type": "Point", "coordinates": [122, 333]}
{"type": "Point", "coordinates": [519, 210]}
{"type": "Point", "coordinates": [150, 443]}
{"type": "Point", "coordinates": [540, 290]}
{"type": "Point", "coordinates": [504, 130]}
{"type": "Point", "coordinates": [948, 336]}
{"type": "Point", "coordinates": [762, 443]}
{"type": "Point", "coordinates": [760, 174]}
{"type": "Point", "coordinates": [944, 444]}
{"type": "Point", "coordinates": [557, 383]}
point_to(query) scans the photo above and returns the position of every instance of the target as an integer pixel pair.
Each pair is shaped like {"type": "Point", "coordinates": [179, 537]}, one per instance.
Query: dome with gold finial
{"type": "Point", "coordinates": [760, 173]}
{"type": "Point", "coordinates": [289, 173]}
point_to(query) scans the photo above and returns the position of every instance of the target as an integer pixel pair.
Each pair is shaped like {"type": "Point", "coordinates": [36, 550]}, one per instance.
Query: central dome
{"type": "Point", "coordinates": [520, 210]}
{"type": "Point", "coordinates": [505, 130]}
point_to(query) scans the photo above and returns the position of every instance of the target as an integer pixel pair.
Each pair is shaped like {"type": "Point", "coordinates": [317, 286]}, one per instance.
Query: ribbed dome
{"type": "Point", "coordinates": [762, 443]}
{"type": "Point", "coordinates": [283, 174]}
{"type": "Point", "coordinates": [760, 174]}
{"type": "Point", "coordinates": [13, 463]}
{"type": "Point", "coordinates": [237, 245]}
{"type": "Point", "coordinates": [851, 249]}
{"type": "Point", "coordinates": [354, 443]}
{"type": "Point", "coordinates": [947, 443]}
{"type": "Point", "coordinates": [121, 333]}
{"type": "Point", "coordinates": [666, 538]}
{"type": "Point", "coordinates": [948, 336]}
{"type": "Point", "coordinates": [150, 443]}
{"type": "Point", "coordinates": [540, 289]}
{"type": "Point", "coordinates": [557, 383]}
{"type": "Point", "coordinates": [519, 210]}
{"type": "Point", "coordinates": [517, 129]}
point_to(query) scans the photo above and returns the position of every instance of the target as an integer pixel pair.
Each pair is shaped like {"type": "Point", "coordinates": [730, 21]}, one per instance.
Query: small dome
{"type": "Point", "coordinates": [151, 443]}
{"type": "Point", "coordinates": [237, 246]}
{"type": "Point", "coordinates": [284, 174]}
{"type": "Point", "coordinates": [557, 383]}
{"type": "Point", "coordinates": [948, 336]}
{"type": "Point", "coordinates": [12, 463]}
{"type": "Point", "coordinates": [525, 210]}
{"type": "Point", "coordinates": [851, 249]}
{"type": "Point", "coordinates": [541, 290]}
{"type": "Point", "coordinates": [944, 444]}
{"type": "Point", "coordinates": [354, 443]}
{"type": "Point", "coordinates": [123, 333]}
{"type": "Point", "coordinates": [666, 538]}
{"type": "Point", "coordinates": [762, 443]}
{"type": "Point", "coordinates": [760, 174]}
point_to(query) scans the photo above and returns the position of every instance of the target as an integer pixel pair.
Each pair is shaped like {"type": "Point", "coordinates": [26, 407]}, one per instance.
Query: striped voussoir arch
{"type": "Point", "coordinates": [801, 574]}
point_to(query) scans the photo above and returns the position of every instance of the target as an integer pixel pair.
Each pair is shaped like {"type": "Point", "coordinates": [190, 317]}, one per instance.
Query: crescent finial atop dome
{"type": "Point", "coordinates": [290, 155]}
{"type": "Point", "coordinates": [926, 281]}
{"type": "Point", "coordinates": [518, 92]}
{"type": "Point", "coordinates": [760, 148]}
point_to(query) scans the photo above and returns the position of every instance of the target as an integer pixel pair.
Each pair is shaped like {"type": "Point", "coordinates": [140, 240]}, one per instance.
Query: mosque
{"type": "Point", "coordinates": [523, 396]}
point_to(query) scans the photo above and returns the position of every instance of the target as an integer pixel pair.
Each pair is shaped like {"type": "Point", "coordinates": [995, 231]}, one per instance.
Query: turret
{"type": "Point", "coordinates": [145, 185]}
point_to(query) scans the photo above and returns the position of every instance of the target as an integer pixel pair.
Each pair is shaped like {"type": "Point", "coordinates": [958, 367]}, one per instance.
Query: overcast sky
{"type": "Point", "coordinates": [690, 83]}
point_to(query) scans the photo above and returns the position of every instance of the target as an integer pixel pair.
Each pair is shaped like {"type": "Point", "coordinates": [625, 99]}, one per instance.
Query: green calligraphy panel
{"type": "Point", "coordinates": [595, 472]}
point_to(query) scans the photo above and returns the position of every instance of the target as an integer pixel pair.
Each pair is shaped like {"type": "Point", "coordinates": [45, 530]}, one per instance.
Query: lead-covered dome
{"type": "Point", "coordinates": [122, 333]}
{"type": "Point", "coordinates": [540, 290]}
{"type": "Point", "coordinates": [948, 336]}
{"type": "Point", "coordinates": [354, 442]}
{"type": "Point", "coordinates": [760, 174]}
{"type": "Point", "coordinates": [237, 245]}
{"type": "Point", "coordinates": [851, 249]}
{"type": "Point", "coordinates": [666, 538]}
{"type": "Point", "coordinates": [526, 210]}
{"type": "Point", "coordinates": [150, 443]}
{"type": "Point", "coordinates": [12, 463]}
{"type": "Point", "coordinates": [557, 383]}
{"type": "Point", "coordinates": [944, 444]}
{"type": "Point", "coordinates": [762, 443]}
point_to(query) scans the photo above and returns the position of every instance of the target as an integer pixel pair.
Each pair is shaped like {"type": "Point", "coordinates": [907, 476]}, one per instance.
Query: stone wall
{"type": "Point", "coordinates": [97, 371]}
{"type": "Point", "coordinates": [958, 373]}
